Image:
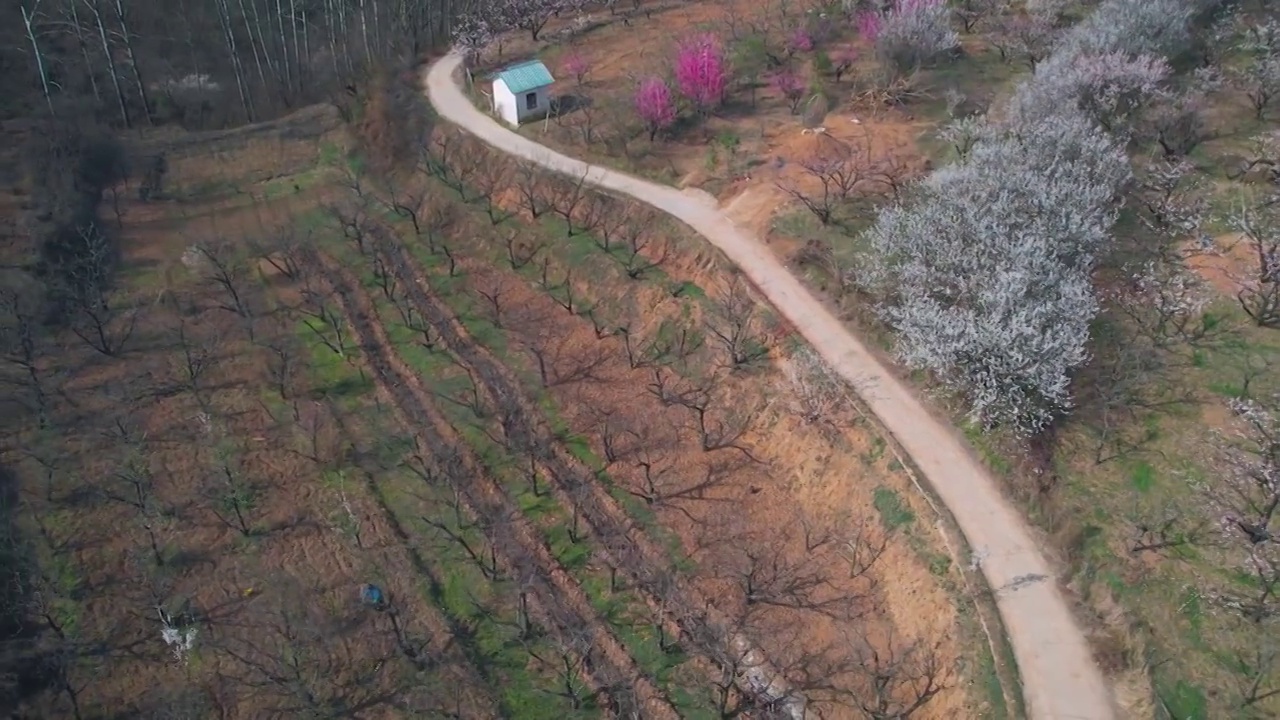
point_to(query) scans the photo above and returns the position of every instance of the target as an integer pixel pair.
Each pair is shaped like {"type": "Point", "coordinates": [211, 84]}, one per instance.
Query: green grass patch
{"type": "Point", "coordinates": [893, 512]}
{"type": "Point", "coordinates": [332, 375]}
{"type": "Point", "coordinates": [1181, 700]}
{"type": "Point", "coordinates": [984, 443]}
{"type": "Point", "coordinates": [1142, 476]}
{"type": "Point", "coordinates": [988, 680]}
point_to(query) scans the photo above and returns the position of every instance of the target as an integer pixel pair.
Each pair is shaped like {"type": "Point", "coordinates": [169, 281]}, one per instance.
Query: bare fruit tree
{"type": "Point", "coordinates": [535, 192]}
{"type": "Point", "coordinates": [734, 323]}
{"type": "Point", "coordinates": [900, 677]}
{"type": "Point", "coordinates": [832, 181]}
{"type": "Point", "coordinates": [20, 343]}
{"type": "Point", "coordinates": [818, 393]}
{"type": "Point", "coordinates": [843, 172]}
{"type": "Point", "coordinates": [225, 266]}
{"type": "Point", "coordinates": [491, 179]}
{"type": "Point", "coordinates": [289, 657]}
{"type": "Point", "coordinates": [104, 322]}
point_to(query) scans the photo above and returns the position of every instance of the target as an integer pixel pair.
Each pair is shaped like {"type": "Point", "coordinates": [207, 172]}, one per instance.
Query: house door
{"type": "Point", "coordinates": [531, 101]}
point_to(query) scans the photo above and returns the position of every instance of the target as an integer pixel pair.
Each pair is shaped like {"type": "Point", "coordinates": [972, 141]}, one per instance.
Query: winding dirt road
{"type": "Point", "coordinates": [1060, 679]}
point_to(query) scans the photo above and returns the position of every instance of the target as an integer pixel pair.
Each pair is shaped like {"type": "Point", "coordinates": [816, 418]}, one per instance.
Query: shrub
{"type": "Point", "coordinates": [822, 64]}
{"type": "Point", "coordinates": [393, 120]}
{"type": "Point", "coordinates": [916, 33]}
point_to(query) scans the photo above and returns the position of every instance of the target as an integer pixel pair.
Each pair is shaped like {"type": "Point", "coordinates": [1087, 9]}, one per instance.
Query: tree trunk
{"type": "Point", "coordinates": [297, 59]}
{"type": "Point", "coordinates": [84, 52]}
{"type": "Point", "coordinates": [27, 20]}
{"type": "Point", "coordinates": [229, 35]}
{"type": "Point", "coordinates": [111, 62]}
{"type": "Point", "coordinates": [255, 43]}
{"type": "Point", "coordinates": [127, 37]}
{"type": "Point", "coordinates": [284, 49]}
{"type": "Point", "coordinates": [364, 32]}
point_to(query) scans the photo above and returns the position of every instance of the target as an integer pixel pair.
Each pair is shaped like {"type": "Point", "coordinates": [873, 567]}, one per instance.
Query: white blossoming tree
{"type": "Point", "coordinates": [916, 33]}
{"type": "Point", "coordinates": [986, 273]}
{"type": "Point", "coordinates": [1244, 489]}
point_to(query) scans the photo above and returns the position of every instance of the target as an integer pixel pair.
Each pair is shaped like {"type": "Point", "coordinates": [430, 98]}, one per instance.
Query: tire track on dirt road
{"type": "Point", "coordinates": [553, 595]}
{"type": "Point", "coordinates": [1060, 679]}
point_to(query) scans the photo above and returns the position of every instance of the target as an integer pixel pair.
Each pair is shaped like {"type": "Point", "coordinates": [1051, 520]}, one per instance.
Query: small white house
{"type": "Point", "coordinates": [521, 92]}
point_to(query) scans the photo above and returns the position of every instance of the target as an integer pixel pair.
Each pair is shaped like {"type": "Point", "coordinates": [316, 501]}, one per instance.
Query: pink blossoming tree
{"type": "Point", "coordinates": [702, 74]}
{"type": "Point", "coordinates": [789, 85]}
{"type": "Point", "coordinates": [576, 65]}
{"type": "Point", "coordinates": [868, 24]}
{"type": "Point", "coordinates": [800, 41]}
{"type": "Point", "coordinates": [655, 105]}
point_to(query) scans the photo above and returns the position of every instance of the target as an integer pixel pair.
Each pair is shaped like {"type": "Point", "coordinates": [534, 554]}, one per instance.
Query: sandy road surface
{"type": "Point", "coordinates": [1060, 679]}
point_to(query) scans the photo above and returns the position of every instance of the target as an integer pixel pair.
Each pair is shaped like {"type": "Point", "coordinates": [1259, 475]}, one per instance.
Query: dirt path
{"type": "Point", "coordinates": [1060, 679]}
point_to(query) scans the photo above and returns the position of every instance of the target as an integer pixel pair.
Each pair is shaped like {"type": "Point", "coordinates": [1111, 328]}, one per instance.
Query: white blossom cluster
{"type": "Point", "coordinates": [476, 29]}
{"type": "Point", "coordinates": [986, 272]}
{"type": "Point", "coordinates": [916, 33]}
{"type": "Point", "coordinates": [1245, 492]}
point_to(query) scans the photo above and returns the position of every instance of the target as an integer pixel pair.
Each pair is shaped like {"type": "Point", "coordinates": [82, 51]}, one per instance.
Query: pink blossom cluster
{"type": "Point", "coordinates": [654, 104]}
{"type": "Point", "coordinates": [801, 41]}
{"type": "Point", "coordinates": [576, 65]}
{"type": "Point", "coordinates": [869, 24]}
{"type": "Point", "coordinates": [702, 75]}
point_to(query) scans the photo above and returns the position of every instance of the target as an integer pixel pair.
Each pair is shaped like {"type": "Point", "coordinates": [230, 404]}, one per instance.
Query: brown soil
{"type": "Point", "coordinates": [292, 580]}
{"type": "Point", "coordinates": [1229, 267]}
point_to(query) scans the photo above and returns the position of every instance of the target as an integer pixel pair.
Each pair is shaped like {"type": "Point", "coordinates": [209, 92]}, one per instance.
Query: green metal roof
{"type": "Point", "coordinates": [526, 76]}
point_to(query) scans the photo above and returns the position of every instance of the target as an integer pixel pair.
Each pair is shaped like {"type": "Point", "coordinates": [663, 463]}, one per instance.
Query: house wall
{"type": "Point", "coordinates": [504, 103]}
{"type": "Point", "coordinates": [538, 112]}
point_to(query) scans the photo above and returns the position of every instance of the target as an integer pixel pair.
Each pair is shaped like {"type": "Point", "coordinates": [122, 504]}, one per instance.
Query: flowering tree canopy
{"type": "Point", "coordinates": [789, 85]}
{"type": "Point", "coordinates": [576, 65]}
{"type": "Point", "coordinates": [472, 34]}
{"type": "Point", "coordinates": [655, 105]}
{"type": "Point", "coordinates": [702, 74]}
{"type": "Point", "coordinates": [914, 33]}
{"type": "Point", "coordinates": [987, 273]}
{"type": "Point", "coordinates": [800, 41]}
{"type": "Point", "coordinates": [868, 24]}
{"type": "Point", "coordinates": [1245, 491]}
{"type": "Point", "coordinates": [987, 276]}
